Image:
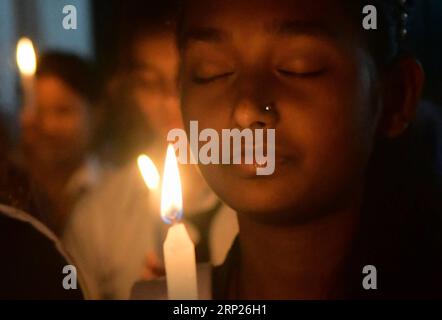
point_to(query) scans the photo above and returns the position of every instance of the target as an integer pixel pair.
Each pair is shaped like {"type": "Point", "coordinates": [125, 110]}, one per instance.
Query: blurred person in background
{"type": "Point", "coordinates": [17, 189]}
{"type": "Point", "coordinates": [115, 233]}
{"type": "Point", "coordinates": [32, 258]}
{"type": "Point", "coordinates": [57, 134]}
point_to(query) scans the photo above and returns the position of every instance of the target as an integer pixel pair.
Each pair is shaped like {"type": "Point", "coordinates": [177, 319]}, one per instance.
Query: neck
{"type": "Point", "coordinates": [295, 261]}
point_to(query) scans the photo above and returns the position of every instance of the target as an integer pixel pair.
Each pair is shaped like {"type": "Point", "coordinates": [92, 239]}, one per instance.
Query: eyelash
{"type": "Point", "coordinates": [301, 74]}
{"type": "Point", "coordinates": [202, 80]}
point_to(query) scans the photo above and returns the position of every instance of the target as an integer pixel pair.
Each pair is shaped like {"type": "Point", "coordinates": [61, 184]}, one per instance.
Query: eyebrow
{"type": "Point", "coordinates": [298, 28]}
{"type": "Point", "coordinates": [284, 28]}
{"type": "Point", "coordinates": [141, 65]}
{"type": "Point", "coordinates": [137, 66]}
{"type": "Point", "coordinates": [205, 34]}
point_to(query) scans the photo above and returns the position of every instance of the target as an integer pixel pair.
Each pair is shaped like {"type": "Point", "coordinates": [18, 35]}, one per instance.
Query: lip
{"type": "Point", "coordinates": [247, 149]}
{"type": "Point", "coordinates": [250, 170]}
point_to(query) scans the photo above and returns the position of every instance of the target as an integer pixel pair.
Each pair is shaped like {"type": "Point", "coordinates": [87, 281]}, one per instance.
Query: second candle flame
{"type": "Point", "coordinates": [171, 194]}
{"type": "Point", "coordinates": [149, 172]}
{"type": "Point", "coordinates": [26, 58]}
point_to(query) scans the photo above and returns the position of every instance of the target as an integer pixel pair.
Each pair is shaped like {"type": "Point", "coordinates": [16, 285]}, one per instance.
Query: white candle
{"type": "Point", "coordinates": [179, 258]}
{"type": "Point", "coordinates": [27, 64]}
{"type": "Point", "coordinates": [178, 249]}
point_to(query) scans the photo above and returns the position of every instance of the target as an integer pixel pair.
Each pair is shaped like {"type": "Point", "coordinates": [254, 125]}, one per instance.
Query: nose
{"type": "Point", "coordinates": [171, 102]}
{"type": "Point", "coordinates": [172, 111]}
{"type": "Point", "coordinates": [47, 123]}
{"type": "Point", "coordinates": [171, 94]}
{"type": "Point", "coordinates": [255, 108]}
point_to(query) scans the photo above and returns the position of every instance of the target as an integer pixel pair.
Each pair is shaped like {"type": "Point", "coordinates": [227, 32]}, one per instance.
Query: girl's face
{"type": "Point", "coordinates": [155, 69]}
{"type": "Point", "coordinates": [306, 58]}
{"type": "Point", "coordinates": [62, 127]}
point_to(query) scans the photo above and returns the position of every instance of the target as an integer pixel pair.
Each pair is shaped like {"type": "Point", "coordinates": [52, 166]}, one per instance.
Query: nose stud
{"type": "Point", "coordinates": [268, 108]}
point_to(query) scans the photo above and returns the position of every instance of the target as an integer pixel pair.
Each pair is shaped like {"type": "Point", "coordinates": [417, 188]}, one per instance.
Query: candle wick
{"type": "Point", "coordinates": [174, 221]}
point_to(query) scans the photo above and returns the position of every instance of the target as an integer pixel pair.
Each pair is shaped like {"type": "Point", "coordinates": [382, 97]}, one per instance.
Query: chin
{"type": "Point", "coordinates": [290, 214]}
{"type": "Point", "coordinates": [267, 203]}
{"type": "Point", "coordinates": [278, 202]}
{"type": "Point", "coordinates": [290, 196]}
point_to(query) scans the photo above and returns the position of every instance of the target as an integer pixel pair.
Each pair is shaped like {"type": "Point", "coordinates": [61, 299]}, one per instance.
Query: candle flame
{"type": "Point", "coordinates": [149, 172]}
{"type": "Point", "coordinates": [26, 58]}
{"type": "Point", "coordinates": [171, 194]}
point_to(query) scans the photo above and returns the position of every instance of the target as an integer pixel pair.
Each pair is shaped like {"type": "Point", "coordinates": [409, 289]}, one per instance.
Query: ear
{"type": "Point", "coordinates": [402, 88]}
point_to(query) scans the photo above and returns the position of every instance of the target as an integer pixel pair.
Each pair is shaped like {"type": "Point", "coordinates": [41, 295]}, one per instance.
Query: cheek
{"type": "Point", "coordinates": [75, 128]}
{"type": "Point", "coordinates": [333, 126]}
{"type": "Point", "coordinates": [144, 98]}
{"type": "Point", "coordinates": [210, 107]}
{"type": "Point", "coordinates": [74, 124]}
{"type": "Point", "coordinates": [152, 116]}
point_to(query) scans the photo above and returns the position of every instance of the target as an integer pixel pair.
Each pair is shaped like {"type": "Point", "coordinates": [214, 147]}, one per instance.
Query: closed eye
{"type": "Point", "coordinates": [205, 80]}
{"type": "Point", "coordinates": [304, 74]}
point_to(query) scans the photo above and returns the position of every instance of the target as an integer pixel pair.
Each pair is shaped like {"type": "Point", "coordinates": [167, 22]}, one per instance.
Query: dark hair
{"type": "Point", "coordinates": [389, 41]}
{"type": "Point", "coordinates": [76, 72]}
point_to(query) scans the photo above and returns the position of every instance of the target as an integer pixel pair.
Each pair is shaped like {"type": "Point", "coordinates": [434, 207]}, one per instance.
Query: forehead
{"type": "Point", "coordinates": [53, 85]}
{"type": "Point", "coordinates": [241, 17]}
{"type": "Point", "coordinates": [51, 90]}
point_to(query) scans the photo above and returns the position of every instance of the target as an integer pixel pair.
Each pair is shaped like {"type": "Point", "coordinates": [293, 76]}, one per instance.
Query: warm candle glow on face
{"type": "Point", "coordinates": [26, 59]}
{"type": "Point", "coordinates": [149, 172]}
{"type": "Point", "coordinates": [171, 195]}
